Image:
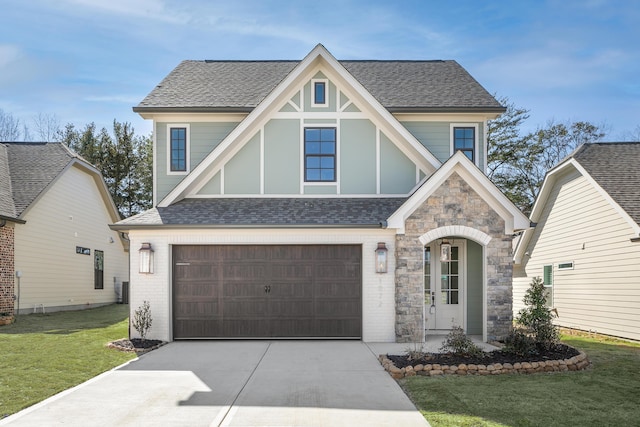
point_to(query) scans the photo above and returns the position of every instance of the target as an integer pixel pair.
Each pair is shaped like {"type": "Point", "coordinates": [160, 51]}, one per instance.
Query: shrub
{"type": "Point", "coordinates": [142, 319]}
{"type": "Point", "coordinates": [536, 318]}
{"type": "Point", "coordinates": [458, 343]}
{"type": "Point", "coordinates": [520, 342]}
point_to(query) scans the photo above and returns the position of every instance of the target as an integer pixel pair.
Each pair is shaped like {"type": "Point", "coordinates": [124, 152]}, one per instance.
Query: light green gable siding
{"type": "Point", "coordinates": [397, 172]}
{"type": "Point", "coordinates": [213, 186]}
{"type": "Point", "coordinates": [352, 109]}
{"type": "Point", "coordinates": [282, 156]}
{"type": "Point", "coordinates": [320, 189]}
{"type": "Point", "coordinates": [357, 157]}
{"type": "Point", "coordinates": [288, 108]}
{"type": "Point", "coordinates": [203, 138]}
{"type": "Point", "coordinates": [474, 288]}
{"type": "Point", "coordinates": [436, 137]}
{"type": "Point", "coordinates": [242, 172]}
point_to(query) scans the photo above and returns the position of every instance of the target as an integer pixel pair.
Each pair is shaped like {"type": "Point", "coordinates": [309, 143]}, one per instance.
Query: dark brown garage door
{"type": "Point", "coordinates": [267, 291]}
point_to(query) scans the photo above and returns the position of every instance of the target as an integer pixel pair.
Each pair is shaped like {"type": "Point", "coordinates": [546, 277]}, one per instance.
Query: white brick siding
{"type": "Point", "coordinates": [378, 290]}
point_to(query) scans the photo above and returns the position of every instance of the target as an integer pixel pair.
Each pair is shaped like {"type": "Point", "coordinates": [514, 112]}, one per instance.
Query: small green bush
{"type": "Point", "coordinates": [142, 319]}
{"type": "Point", "coordinates": [458, 343]}
{"type": "Point", "coordinates": [534, 329]}
{"type": "Point", "coordinates": [520, 343]}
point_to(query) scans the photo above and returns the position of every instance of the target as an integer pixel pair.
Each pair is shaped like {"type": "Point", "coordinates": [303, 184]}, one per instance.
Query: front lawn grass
{"type": "Point", "coordinates": [606, 395]}
{"type": "Point", "coordinates": [44, 354]}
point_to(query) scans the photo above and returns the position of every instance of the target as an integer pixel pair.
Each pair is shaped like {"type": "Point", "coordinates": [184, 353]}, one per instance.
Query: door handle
{"type": "Point", "coordinates": [267, 289]}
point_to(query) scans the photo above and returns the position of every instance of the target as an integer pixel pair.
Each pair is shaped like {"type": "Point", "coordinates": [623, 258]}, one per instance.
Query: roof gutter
{"type": "Point", "coordinates": [248, 109]}
{"type": "Point", "coordinates": [126, 227]}
{"type": "Point", "coordinates": [139, 109]}
{"type": "Point", "coordinates": [4, 219]}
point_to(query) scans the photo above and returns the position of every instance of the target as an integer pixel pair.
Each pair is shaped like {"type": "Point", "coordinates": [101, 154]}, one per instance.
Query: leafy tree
{"type": "Point", "coordinates": [517, 164]}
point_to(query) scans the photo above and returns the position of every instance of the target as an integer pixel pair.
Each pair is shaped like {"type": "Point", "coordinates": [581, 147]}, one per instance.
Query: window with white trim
{"type": "Point", "coordinates": [320, 154]}
{"type": "Point", "coordinates": [565, 265]}
{"type": "Point", "coordinates": [464, 137]}
{"type": "Point", "coordinates": [319, 92]}
{"type": "Point", "coordinates": [177, 149]}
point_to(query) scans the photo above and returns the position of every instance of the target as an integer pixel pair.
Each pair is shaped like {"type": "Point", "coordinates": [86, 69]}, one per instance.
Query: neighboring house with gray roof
{"type": "Point", "coordinates": [54, 214]}
{"type": "Point", "coordinates": [586, 244]}
{"type": "Point", "coordinates": [322, 198]}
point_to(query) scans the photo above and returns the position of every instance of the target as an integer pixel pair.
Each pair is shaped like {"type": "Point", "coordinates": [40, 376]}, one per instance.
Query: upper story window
{"type": "Point", "coordinates": [464, 139]}
{"type": "Point", "coordinates": [320, 154]}
{"type": "Point", "coordinates": [319, 92]}
{"type": "Point", "coordinates": [177, 149]}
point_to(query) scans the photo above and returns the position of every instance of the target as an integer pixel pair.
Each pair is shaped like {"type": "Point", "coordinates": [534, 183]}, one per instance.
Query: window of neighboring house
{"type": "Point", "coordinates": [178, 148]}
{"type": "Point", "coordinates": [320, 154]}
{"type": "Point", "coordinates": [464, 139]}
{"type": "Point", "coordinates": [98, 269]}
{"type": "Point", "coordinates": [565, 265]}
{"type": "Point", "coordinates": [319, 92]}
{"type": "Point", "coordinates": [548, 283]}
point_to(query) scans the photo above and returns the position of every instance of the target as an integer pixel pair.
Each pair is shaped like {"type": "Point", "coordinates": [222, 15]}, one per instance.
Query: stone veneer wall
{"type": "Point", "coordinates": [6, 269]}
{"type": "Point", "coordinates": [454, 203]}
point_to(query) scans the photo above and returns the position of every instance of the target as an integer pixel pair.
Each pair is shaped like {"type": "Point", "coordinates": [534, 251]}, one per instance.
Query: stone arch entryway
{"type": "Point", "coordinates": [454, 279]}
{"type": "Point", "coordinates": [454, 209]}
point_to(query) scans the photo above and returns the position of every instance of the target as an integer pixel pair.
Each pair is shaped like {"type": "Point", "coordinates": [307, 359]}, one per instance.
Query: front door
{"type": "Point", "coordinates": [444, 268]}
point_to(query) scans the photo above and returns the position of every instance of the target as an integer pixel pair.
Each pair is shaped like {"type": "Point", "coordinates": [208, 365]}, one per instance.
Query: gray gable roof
{"type": "Point", "coordinates": [273, 212]}
{"type": "Point", "coordinates": [32, 166]}
{"type": "Point", "coordinates": [239, 86]}
{"type": "Point", "coordinates": [616, 168]}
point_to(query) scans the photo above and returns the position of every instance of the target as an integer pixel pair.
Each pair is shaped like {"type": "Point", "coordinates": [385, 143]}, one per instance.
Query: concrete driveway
{"type": "Point", "coordinates": [236, 383]}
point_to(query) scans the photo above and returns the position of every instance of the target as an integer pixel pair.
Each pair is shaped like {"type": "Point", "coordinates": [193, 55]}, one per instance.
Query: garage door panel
{"type": "Point", "coordinates": [281, 270]}
{"type": "Point", "coordinates": [291, 290]}
{"type": "Point", "coordinates": [197, 309]}
{"type": "Point", "coordinates": [258, 291]}
{"type": "Point", "coordinates": [342, 327]}
{"type": "Point", "coordinates": [241, 308]}
{"type": "Point", "coordinates": [332, 289]}
{"type": "Point", "coordinates": [244, 328]}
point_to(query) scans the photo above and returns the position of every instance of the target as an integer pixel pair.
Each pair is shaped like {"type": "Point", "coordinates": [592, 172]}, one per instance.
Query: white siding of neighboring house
{"type": "Point", "coordinates": [602, 292]}
{"type": "Point", "coordinates": [70, 213]}
{"type": "Point", "coordinates": [378, 291]}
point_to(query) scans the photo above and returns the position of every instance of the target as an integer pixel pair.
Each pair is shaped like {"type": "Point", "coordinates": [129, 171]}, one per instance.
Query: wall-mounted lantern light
{"type": "Point", "coordinates": [146, 258]}
{"type": "Point", "coordinates": [381, 258]}
{"type": "Point", "coordinates": [445, 251]}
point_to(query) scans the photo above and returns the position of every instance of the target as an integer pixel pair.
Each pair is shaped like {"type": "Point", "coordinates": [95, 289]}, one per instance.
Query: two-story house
{"type": "Point", "coordinates": [322, 198]}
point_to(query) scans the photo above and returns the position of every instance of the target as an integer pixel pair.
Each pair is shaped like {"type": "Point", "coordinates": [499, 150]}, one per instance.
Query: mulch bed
{"type": "Point", "coordinates": [558, 352]}
{"type": "Point", "coordinates": [136, 345]}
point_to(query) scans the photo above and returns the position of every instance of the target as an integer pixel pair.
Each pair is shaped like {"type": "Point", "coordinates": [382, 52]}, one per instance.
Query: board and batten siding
{"type": "Point", "coordinates": [203, 138]}
{"type": "Point", "coordinates": [436, 137]}
{"type": "Point", "coordinates": [602, 292]}
{"type": "Point", "coordinates": [70, 213]}
{"type": "Point", "coordinates": [378, 290]}
{"type": "Point", "coordinates": [280, 148]}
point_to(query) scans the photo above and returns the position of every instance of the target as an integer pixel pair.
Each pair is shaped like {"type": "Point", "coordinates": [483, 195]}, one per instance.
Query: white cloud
{"type": "Point", "coordinates": [148, 9]}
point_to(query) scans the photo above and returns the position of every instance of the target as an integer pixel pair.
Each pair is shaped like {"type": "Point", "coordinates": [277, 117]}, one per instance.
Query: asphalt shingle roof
{"type": "Point", "coordinates": [241, 85]}
{"type": "Point", "coordinates": [32, 166]}
{"type": "Point", "coordinates": [616, 168]}
{"type": "Point", "coordinates": [278, 212]}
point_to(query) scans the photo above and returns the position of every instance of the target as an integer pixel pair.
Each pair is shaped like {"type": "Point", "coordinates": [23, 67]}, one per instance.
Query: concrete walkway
{"type": "Point", "coordinates": [237, 383]}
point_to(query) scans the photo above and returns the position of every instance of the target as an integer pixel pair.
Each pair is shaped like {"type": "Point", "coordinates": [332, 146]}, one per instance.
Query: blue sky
{"type": "Point", "coordinates": [92, 60]}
